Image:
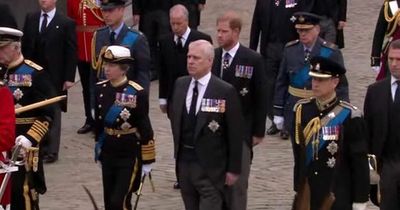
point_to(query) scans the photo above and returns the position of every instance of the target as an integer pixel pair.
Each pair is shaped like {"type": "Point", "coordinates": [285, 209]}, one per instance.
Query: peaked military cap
{"type": "Point", "coordinates": [322, 67]}
{"type": "Point", "coordinates": [305, 20]}
{"type": "Point", "coordinates": [110, 4]}
{"type": "Point", "coordinates": [8, 35]}
{"type": "Point", "coordinates": [117, 54]}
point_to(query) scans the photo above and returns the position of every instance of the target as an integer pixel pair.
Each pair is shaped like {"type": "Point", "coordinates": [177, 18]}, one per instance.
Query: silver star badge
{"type": "Point", "coordinates": [293, 18]}
{"type": "Point", "coordinates": [332, 148]}
{"type": "Point", "coordinates": [213, 125]}
{"type": "Point", "coordinates": [18, 94]}
{"type": "Point", "coordinates": [244, 91]}
{"type": "Point", "coordinates": [125, 114]}
{"type": "Point", "coordinates": [331, 162]}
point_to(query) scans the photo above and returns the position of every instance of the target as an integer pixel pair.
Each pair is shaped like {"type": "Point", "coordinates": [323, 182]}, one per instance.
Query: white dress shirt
{"type": "Point", "coordinates": [393, 85]}
{"type": "Point", "coordinates": [201, 87]}
{"type": "Point", "coordinates": [183, 38]}
{"type": "Point", "coordinates": [50, 16]}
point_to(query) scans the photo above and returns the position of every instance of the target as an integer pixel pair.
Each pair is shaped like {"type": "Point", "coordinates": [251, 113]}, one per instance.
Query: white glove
{"type": "Point", "coordinates": [23, 141]}
{"type": "Point", "coordinates": [376, 69]}
{"type": "Point", "coordinates": [146, 169]}
{"type": "Point", "coordinates": [360, 206]}
{"type": "Point", "coordinates": [278, 120]}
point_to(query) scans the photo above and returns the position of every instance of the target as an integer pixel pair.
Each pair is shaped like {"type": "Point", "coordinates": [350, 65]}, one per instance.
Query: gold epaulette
{"type": "Point", "coordinates": [330, 45]}
{"type": "Point", "coordinates": [33, 65]}
{"type": "Point", "coordinates": [291, 43]}
{"type": "Point", "coordinates": [135, 85]}
{"type": "Point", "coordinates": [149, 152]}
{"type": "Point", "coordinates": [102, 82]}
{"type": "Point", "coordinates": [302, 101]}
{"type": "Point", "coordinates": [355, 111]}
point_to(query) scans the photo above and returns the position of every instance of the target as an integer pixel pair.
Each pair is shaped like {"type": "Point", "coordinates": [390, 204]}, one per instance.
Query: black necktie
{"type": "Point", "coordinates": [179, 44]}
{"type": "Point", "coordinates": [225, 63]}
{"type": "Point", "coordinates": [397, 94]}
{"type": "Point", "coordinates": [307, 54]}
{"type": "Point", "coordinates": [192, 110]}
{"type": "Point", "coordinates": [112, 37]}
{"type": "Point", "coordinates": [44, 23]}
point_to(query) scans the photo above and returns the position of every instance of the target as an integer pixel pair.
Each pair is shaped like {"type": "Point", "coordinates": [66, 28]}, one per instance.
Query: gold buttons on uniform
{"type": "Point", "coordinates": [316, 173]}
{"type": "Point", "coordinates": [117, 120]}
{"type": "Point", "coordinates": [104, 85]}
{"type": "Point", "coordinates": [101, 95]}
{"type": "Point", "coordinates": [99, 106]}
{"type": "Point", "coordinates": [119, 135]}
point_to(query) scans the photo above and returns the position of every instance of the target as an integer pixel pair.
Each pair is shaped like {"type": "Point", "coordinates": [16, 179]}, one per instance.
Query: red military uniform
{"type": "Point", "coordinates": [88, 19]}
{"type": "Point", "coordinates": [7, 133]}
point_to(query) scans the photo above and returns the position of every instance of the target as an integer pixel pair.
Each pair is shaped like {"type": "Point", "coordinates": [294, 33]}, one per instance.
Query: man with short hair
{"type": "Point", "coordinates": [243, 68]}
{"type": "Point", "coordinates": [117, 32]}
{"type": "Point", "coordinates": [206, 130]}
{"type": "Point", "coordinates": [293, 82]}
{"type": "Point", "coordinates": [28, 83]}
{"type": "Point", "coordinates": [195, 7]}
{"type": "Point", "coordinates": [50, 40]}
{"type": "Point", "coordinates": [382, 114]}
{"type": "Point", "coordinates": [332, 142]}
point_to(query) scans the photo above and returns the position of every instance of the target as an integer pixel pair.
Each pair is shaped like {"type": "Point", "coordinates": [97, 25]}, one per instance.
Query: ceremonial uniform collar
{"type": "Point", "coordinates": [17, 62]}
{"type": "Point", "coordinates": [119, 83]}
{"type": "Point", "coordinates": [323, 105]}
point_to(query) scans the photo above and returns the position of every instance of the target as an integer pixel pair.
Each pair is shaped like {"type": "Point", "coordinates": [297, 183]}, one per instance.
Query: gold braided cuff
{"type": "Point", "coordinates": [38, 130]}
{"type": "Point", "coordinates": [149, 152]}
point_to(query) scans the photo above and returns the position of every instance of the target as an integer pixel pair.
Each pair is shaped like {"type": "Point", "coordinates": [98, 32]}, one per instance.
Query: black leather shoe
{"type": "Point", "coordinates": [50, 158]}
{"type": "Point", "coordinates": [176, 185]}
{"type": "Point", "coordinates": [272, 130]}
{"type": "Point", "coordinates": [85, 129]}
{"type": "Point", "coordinates": [284, 135]}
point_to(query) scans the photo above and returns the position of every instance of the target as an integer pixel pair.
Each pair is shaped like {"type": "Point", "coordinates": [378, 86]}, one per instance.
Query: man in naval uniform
{"type": "Point", "coordinates": [28, 83]}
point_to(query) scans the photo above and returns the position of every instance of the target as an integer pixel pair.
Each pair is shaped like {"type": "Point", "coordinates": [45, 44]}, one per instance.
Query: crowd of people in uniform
{"type": "Point", "coordinates": [217, 100]}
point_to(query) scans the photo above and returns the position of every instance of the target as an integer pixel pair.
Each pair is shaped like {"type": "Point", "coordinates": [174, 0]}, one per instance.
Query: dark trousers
{"type": "Point", "coordinates": [119, 181]}
{"type": "Point", "coordinates": [84, 74]}
{"type": "Point", "coordinates": [328, 29]}
{"type": "Point", "coordinates": [197, 190]}
{"type": "Point", "coordinates": [236, 195]}
{"type": "Point", "coordinates": [390, 185]}
{"type": "Point", "coordinates": [154, 24]}
{"type": "Point", "coordinates": [52, 140]}
{"type": "Point", "coordinates": [272, 62]}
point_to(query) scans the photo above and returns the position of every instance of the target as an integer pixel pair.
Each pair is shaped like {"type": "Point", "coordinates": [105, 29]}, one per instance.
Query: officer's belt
{"type": "Point", "coordinates": [87, 28]}
{"type": "Point", "coordinates": [25, 120]}
{"type": "Point", "coordinates": [115, 132]}
{"type": "Point", "coordinates": [301, 93]}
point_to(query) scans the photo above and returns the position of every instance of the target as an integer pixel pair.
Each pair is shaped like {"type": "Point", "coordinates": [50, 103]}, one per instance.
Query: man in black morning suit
{"type": "Point", "coordinates": [207, 131]}
{"type": "Point", "coordinates": [382, 114]}
{"type": "Point", "coordinates": [173, 51]}
{"type": "Point", "coordinates": [50, 41]}
{"type": "Point", "coordinates": [243, 68]}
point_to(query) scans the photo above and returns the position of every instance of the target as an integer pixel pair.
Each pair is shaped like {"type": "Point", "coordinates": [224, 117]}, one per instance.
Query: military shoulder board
{"type": "Point", "coordinates": [330, 45]}
{"type": "Point", "coordinates": [291, 43]}
{"type": "Point", "coordinates": [135, 85]}
{"type": "Point", "coordinates": [355, 112]}
{"type": "Point", "coordinates": [302, 101]}
{"type": "Point", "coordinates": [33, 65]}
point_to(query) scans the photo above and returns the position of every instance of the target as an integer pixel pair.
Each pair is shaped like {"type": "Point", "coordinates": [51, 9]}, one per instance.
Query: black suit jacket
{"type": "Point", "coordinates": [376, 115]}
{"type": "Point", "coordinates": [7, 19]}
{"type": "Point", "coordinates": [220, 151]}
{"type": "Point", "coordinates": [55, 49]}
{"type": "Point", "coordinates": [173, 61]}
{"type": "Point", "coordinates": [251, 91]}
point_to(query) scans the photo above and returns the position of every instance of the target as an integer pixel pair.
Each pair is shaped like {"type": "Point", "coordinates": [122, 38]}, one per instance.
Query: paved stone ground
{"type": "Point", "coordinates": [271, 175]}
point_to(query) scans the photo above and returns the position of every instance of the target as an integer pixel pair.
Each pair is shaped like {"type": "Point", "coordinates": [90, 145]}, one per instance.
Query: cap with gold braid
{"type": "Point", "coordinates": [322, 67]}
{"type": "Point", "coordinates": [8, 35]}
{"type": "Point", "coordinates": [305, 20]}
{"type": "Point", "coordinates": [117, 54]}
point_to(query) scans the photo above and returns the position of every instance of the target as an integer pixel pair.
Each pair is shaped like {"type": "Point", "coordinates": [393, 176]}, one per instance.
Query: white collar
{"type": "Point", "coordinates": [203, 80]}
{"type": "Point", "coordinates": [232, 51]}
{"type": "Point", "coordinates": [50, 14]}
{"type": "Point", "coordinates": [184, 35]}
{"type": "Point", "coordinates": [393, 80]}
